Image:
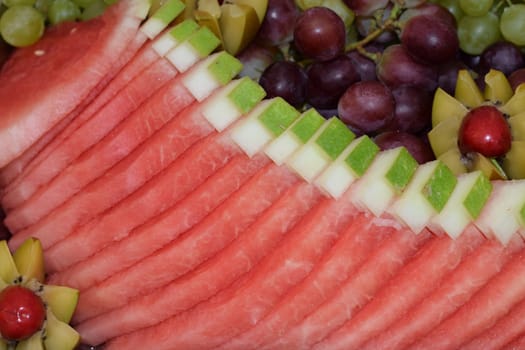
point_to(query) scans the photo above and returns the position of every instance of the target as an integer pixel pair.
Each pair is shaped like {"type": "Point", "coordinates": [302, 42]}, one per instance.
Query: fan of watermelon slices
{"type": "Point", "coordinates": [192, 213]}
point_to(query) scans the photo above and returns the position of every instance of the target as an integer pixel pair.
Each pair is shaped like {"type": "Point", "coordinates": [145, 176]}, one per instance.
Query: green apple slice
{"type": "Point", "coordinates": [210, 73]}
{"type": "Point", "coordinates": [348, 167]}
{"type": "Point", "coordinates": [8, 271]}
{"type": "Point", "coordinates": [35, 342]}
{"type": "Point", "coordinates": [61, 300]}
{"type": "Point", "coordinates": [323, 147]}
{"type": "Point", "coordinates": [464, 205]}
{"type": "Point", "coordinates": [174, 36]}
{"type": "Point", "coordinates": [294, 137]}
{"type": "Point", "coordinates": [265, 122]}
{"type": "Point", "coordinates": [233, 100]}
{"type": "Point", "coordinates": [502, 216]}
{"type": "Point", "coordinates": [166, 13]}
{"type": "Point", "coordinates": [199, 45]}
{"type": "Point", "coordinates": [59, 335]}
{"type": "Point", "coordinates": [385, 179]}
{"type": "Point", "coordinates": [29, 260]}
{"type": "Point", "coordinates": [425, 196]}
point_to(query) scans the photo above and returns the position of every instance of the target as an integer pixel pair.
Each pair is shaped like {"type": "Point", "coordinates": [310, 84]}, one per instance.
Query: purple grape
{"type": "Point", "coordinates": [285, 79]}
{"type": "Point", "coordinates": [366, 7]}
{"type": "Point", "coordinates": [413, 110]}
{"type": "Point", "coordinates": [430, 39]}
{"type": "Point", "coordinates": [517, 77]}
{"type": "Point", "coordinates": [416, 146]}
{"type": "Point", "coordinates": [428, 9]}
{"type": "Point", "coordinates": [397, 67]}
{"type": "Point", "coordinates": [447, 75]}
{"type": "Point", "coordinates": [328, 80]}
{"type": "Point", "coordinates": [503, 56]}
{"type": "Point", "coordinates": [279, 22]}
{"type": "Point", "coordinates": [320, 34]}
{"type": "Point", "coordinates": [367, 107]}
{"type": "Point", "coordinates": [366, 25]}
{"type": "Point", "coordinates": [364, 65]}
{"type": "Point", "coordinates": [255, 59]}
{"type": "Point", "coordinates": [472, 61]}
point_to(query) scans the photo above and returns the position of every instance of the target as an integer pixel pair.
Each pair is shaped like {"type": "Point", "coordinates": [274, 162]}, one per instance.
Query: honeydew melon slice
{"type": "Point", "coordinates": [385, 179]}
{"type": "Point", "coordinates": [174, 36]}
{"type": "Point", "coordinates": [294, 137]}
{"type": "Point", "coordinates": [425, 195]}
{"type": "Point", "coordinates": [348, 167]}
{"type": "Point", "coordinates": [265, 122]}
{"type": "Point", "coordinates": [164, 15]}
{"type": "Point", "coordinates": [231, 102]}
{"type": "Point", "coordinates": [502, 216]}
{"type": "Point", "coordinates": [211, 73]}
{"type": "Point", "coordinates": [8, 271]}
{"type": "Point", "coordinates": [59, 335]}
{"type": "Point", "coordinates": [464, 205]}
{"type": "Point", "coordinates": [321, 149]}
{"type": "Point", "coordinates": [29, 260]}
{"type": "Point", "coordinates": [198, 45]}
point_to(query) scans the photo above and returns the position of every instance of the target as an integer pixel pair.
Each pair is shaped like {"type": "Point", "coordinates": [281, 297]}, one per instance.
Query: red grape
{"type": "Point", "coordinates": [367, 107]}
{"type": "Point", "coordinates": [328, 80]}
{"type": "Point", "coordinates": [516, 78]}
{"type": "Point", "coordinates": [413, 109]}
{"type": "Point", "coordinates": [320, 34]}
{"type": "Point", "coordinates": [484, 130]}
{"type": "Point", "coordinates": [396, 67]}
{"type": "Point", "coordinates": [429, 9]}
{"type": "Point", "coordinates": [278, 24]}
{"type": "Point", "coordinates": [430, 39]}
{"type": "Point", "coordinates": [416, 146]}
{"type": "Point", "coordinates": [448, 74]}
{"type": "Point", "coordinates": [365, 66]}
{"type": "Point", "coordinates": [366, 7]}
{"type": "Point", "coordinates": [22, 313]}
{"type": "Point", "coordinates": [286, 79]}
{"type": "Point", "coordinates": [503, 56]}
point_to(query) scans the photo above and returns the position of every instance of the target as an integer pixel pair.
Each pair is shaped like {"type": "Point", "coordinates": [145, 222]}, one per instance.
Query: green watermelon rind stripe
{"type": "Point", "coordinates": [306, 127]}
{"type": "Point", "coordinates": [402, 169]}
{"type": "Point", "coordinates": [224, 67]}
{"type": "Point", "coordinates": [204, 41]}
{"type": "Point", "coordinates": [246, 95]}
{"type": "Point", "coordinates": [169, 11]}
{"type": "Point", "coordinates": [439, 187]}
{"type": "Point", "coordinates": [362, 155]}
{"type": "Point", "coordinates": [478, 196]}
{"type": "Point", "coordinates": [335, 138]}
{"type": "Point", "coordinates": [278, 116]}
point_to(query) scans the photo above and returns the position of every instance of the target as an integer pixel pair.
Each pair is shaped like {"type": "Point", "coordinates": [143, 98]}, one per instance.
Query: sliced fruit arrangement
{"type": "Point", "coordinates": [475, 130]}
{"type": "Point", "coordinates": [33, 315]}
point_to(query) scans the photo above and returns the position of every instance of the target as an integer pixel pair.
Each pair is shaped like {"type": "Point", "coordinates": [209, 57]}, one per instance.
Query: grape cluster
{"type": "Point", "coordinates": [377, 63]}
{"type": "Point", "coordinates": [22, 22]}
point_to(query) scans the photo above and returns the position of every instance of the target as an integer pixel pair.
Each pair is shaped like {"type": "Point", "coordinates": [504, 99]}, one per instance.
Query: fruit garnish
{"type": "Point", "coordinates": [479, 130]}
{"type": "Point", "coordinates": [33, 315]}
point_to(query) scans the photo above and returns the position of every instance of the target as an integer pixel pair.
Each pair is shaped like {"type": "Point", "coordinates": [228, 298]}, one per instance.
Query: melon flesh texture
{"type": "Point", "coordinates": [456, 289]}
{"type": "Point", "coordinates": [122, 96]}
{"type": "Point", "coordinates": [195, 246]}
{"type": "Point", "coordinates": [142, 123]}
{"type": "Point", "coordinates": [351, 250]}
{"type": "Point", "coordinates": [413, 283]}
{"type": "Point", "coordinates": [133, 221]}
{"type": "Point", "coordinates": [107, 190]}
{"type": "Point", "coordinates": [212, 276]}
{"type": "Point", "coordinates": [37, 92]}
{"type": "Point", "coordinates": [384, 263]}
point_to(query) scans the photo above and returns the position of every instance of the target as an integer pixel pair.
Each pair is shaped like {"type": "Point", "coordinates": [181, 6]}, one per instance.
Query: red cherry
{"type": "Point", "coordinates": [22, 313]}
{"type": "Point", "coordinates": [485, 130]}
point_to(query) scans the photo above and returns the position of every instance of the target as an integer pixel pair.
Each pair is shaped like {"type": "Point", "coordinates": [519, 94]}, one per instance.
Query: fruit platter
{"type": "Point", "coordinates": [262, 174]}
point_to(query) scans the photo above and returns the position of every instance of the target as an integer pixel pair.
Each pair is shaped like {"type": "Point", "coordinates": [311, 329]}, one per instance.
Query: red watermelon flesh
{"type": "Point", "coordinates": [212, 276]}
{"type": "Point", "coordinates": [43, 83]}
{"type": "Point", "coordinates": [195, 246]}
{"type": "Point", "coordinates": [160, 196]}
{"type": "Point", "coordinates": [17, 195]}
{"type": "Point", "coordinates": [143, 122]}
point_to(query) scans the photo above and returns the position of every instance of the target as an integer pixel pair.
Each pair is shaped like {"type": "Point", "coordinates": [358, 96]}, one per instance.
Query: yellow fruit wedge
{"type": "Point", "coordinates": [516, 104]}
{"type": "Point", "coordinates": [29, 260]}
{"type": "Point", "coordinates": [60, 335]}
{"type": "Point", "coordinates": [514, 161]}
{"type": "Point", "coordinates": [210, 21]}
{"type": "Point", "coordinates": [33, 343]}
{"type": "Point", "coordinates": [239, 25]}
{"type": "Point", "coordinates": [8, 271]}
{"type": "Point", "coordinates": [3, 345]}
{"type": "Point", "coordinates": [260, 6]}
{"type": "Point", "coordinates": [452, 159]}
{"type": "Point", "coordinates": [467, 91]}
{"type": "Point", "coordinates": [445, 106]}
{"type": "Point", "coordinates": [444, 136]}
{"type": "Point", "coordinates": [489, 167]}
{"type": "Point", "coordinates": [517, 126]}
{"type": "Point", "coordinates": [61, 300]}
{"type": "Point", "coordinates": [190, 7]}
{"type": "Point", "coordinates": [497, 88]}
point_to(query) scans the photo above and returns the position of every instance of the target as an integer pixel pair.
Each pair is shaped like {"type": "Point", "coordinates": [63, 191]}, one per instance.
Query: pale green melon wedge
{"type": "Point", "coordinates": [164, 15]}
{"type": "Point", "coordinates": [173, 37]}
{"type": "Point", "coordinates": [196, 47]}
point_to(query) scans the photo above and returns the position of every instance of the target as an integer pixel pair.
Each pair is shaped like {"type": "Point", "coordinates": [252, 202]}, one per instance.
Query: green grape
{"type": "Point", "coordinates": [512, 24]}
{"type": "Point", "coordinates": [42, 6]}
{"type": "Point", "coordinates": [10, 3]}
{"type": "Point", "coordinates": [453, 7]}
{"type": "Point", "coordinates": [83, 3]}
{"type": "Point", "coordinates": [21, 25]}
{"type": "Point", "coordinates": [338, 6]}
{"type": "Point", "coordinates": [475, 7]}
{"type": "Point", "coordinates": [96, 8]}
{"type": "Point", "coordinates": [62, 11]}
{"type": "Point", "coordinates": [477, 33]}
